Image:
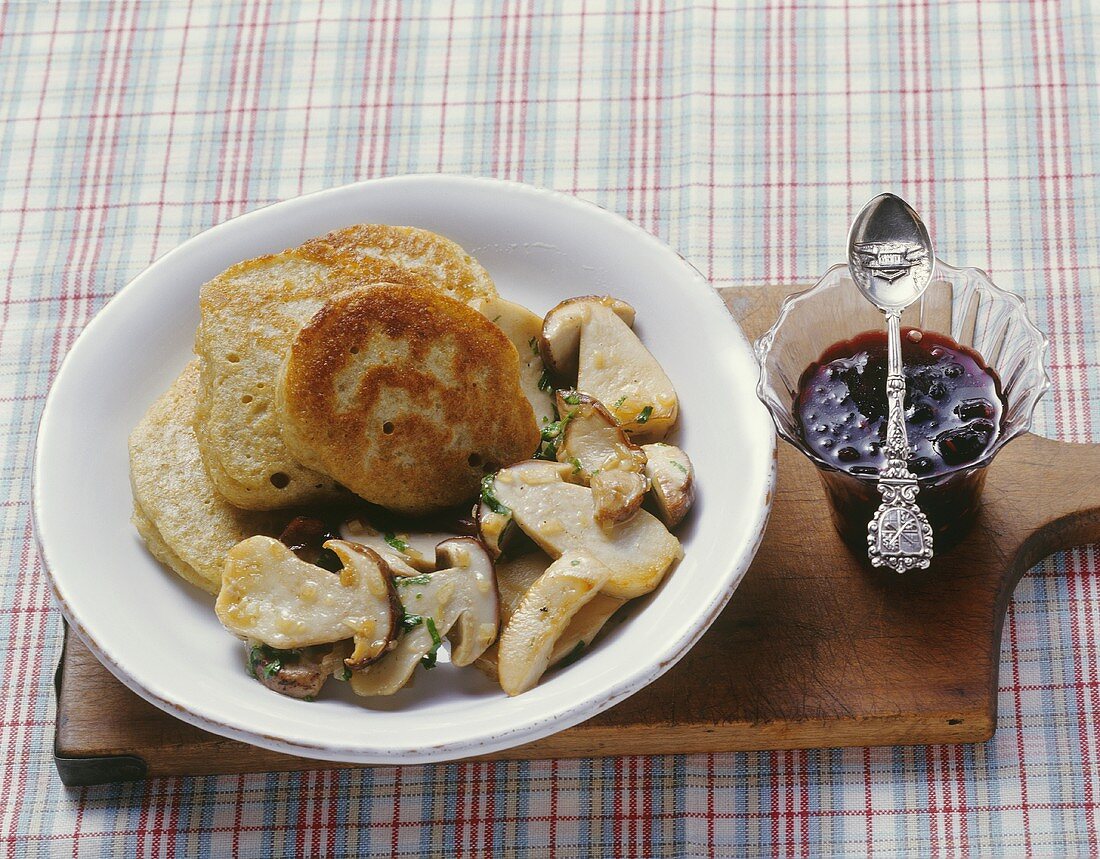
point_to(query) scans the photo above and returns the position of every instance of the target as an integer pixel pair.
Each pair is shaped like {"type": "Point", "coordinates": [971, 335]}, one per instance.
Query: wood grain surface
{"type": "Point", "coordinates": [815, 649]}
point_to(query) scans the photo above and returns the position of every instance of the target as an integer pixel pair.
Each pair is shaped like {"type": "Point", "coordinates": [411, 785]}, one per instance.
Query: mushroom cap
{"type": "Point", "coordinates": [560, 340]}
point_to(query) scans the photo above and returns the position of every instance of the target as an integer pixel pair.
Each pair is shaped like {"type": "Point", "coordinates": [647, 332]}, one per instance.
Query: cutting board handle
{"type": "Point", "coordinates": [1057, 487]}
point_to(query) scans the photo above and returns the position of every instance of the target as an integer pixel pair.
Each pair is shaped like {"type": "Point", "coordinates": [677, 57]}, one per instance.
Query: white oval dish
{"type": "Point", "coordinates": [159, 635]}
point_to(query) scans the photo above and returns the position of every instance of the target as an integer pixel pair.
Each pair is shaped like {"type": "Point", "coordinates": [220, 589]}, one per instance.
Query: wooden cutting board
{"type": "Point", "coordinates": [814, 650]}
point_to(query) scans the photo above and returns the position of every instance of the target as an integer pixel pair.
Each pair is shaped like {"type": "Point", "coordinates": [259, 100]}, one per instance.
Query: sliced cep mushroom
{"type": "Point", "coordinates": [515, 576]}
{"type": "Point", "coordinates": [523, 328]}
{"type": "Point", "coordinates": [495, 526]}
{"type": "Point", "coordinates": [618, 495]}
{"type": "Point", "coordinates": [620, 372]}
{"type": "Point", "coordinates": [672, 479]}
{"type": "Point", "coordinates": [271, 595]}
{"type": "Point", "coordinates": [560, 339]}
{"type": "Point", "coordinates": [527, 642]}
{"type": "Point", "coordinates": [561, 517]}
{"type": "Point", "coordinates": [603, 456]}
{"type": "Point", "coordinates": [460, 602]}
{"type": "Point", "coordinates": [297, 673]}
{"type": "Point", "coordinates": [408, 553]}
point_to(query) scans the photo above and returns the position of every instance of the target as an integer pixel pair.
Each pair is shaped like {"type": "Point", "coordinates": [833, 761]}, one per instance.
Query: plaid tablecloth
{"type": "Point", "coordinates": [744, 135]}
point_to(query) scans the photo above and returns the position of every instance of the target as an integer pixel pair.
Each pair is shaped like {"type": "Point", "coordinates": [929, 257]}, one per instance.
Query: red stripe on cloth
{"type": "Point", "coordinates": [307, 115]}
{"type": "Point", "coordinates": [1019, 724]}
{"type": "Point", "coordinates": [1059, 94]}
{"type": "Point", "coordinates": [444, 90]}
{"type": "Point", "coordinates": [254, 111]}
{"type": "Point", "coordinates": [713, 140]}
{"type": "Point", "coordinates": [237, 829]}
{"type": "Point", "coordinates": [396, 820]}
{"type": "Point", "coordinates": [223, 148]}
{"type": "Point", "coordinates": [868, 804]}
{"type": "Point", "coordinates": [583, 14]}
{"type": "Point", "coordinates": [710, 806]}
{"type": "Point", "coordinates": [386, 118]}
{"type": "Point", "coordinates": [172, 115]}
{"type": "Point", "coordinates": [500, 99]}
{"type": "Point", "coordinates": [928, 126]}
{"type": "Point", "coordinates": [552, 835]}
{"type": "Point", "coordinates": [790, 203]}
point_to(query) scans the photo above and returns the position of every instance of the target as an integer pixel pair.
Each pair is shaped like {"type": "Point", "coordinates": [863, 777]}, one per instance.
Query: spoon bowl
{"type": "Point", "coordinates": [890, 253]}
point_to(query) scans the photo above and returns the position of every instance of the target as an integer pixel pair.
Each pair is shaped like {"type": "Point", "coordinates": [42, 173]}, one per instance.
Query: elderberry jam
{"type": "Point", "coordinates": [953, 404]}
{"type": "Point", "coordinates": [953, 411]}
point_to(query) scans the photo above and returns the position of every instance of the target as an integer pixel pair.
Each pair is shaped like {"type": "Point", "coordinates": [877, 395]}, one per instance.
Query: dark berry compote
{"type": "Point", "coordinates": [953, 409]}
{"type": "Point", "coordinates": [953, 404]}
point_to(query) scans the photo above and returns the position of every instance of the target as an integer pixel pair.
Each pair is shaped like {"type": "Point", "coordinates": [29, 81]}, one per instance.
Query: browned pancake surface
{"type": "Point", "coordinates": [405, 396]}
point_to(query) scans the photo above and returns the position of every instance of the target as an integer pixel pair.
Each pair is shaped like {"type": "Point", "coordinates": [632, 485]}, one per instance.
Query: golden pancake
{"type": "Point", "coordinates": [249, 316]}
{"type": "Point", "coordinates": [183, 521]}
{"type": "Point", "coordinates": [425, 253]}
{"type": "Point", "coordinates": [405, 396]}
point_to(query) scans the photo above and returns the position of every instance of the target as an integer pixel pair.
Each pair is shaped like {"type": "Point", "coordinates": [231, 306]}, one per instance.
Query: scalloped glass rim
{"type": "Point", "coordinates": [1018, 416]}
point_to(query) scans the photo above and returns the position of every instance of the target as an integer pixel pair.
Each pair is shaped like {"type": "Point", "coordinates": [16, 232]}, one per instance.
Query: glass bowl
{"type": "Point", "coordinates": [961, 302]}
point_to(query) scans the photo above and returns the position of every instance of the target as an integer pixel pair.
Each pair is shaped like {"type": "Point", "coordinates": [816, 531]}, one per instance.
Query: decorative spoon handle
{"type": "Point", "coordinates": [899, 535]}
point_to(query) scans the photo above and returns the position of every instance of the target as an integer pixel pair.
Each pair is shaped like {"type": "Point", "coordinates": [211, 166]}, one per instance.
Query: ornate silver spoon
{"type": "Point", "coordinates": [891, 259]}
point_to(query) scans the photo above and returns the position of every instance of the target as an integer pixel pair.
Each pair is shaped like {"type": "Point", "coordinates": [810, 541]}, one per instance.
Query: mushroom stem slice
{"type": "Point", "coordinates": [477, 627]}
{"type": "Point", "coordinates": [271, 595]}
{"type": "Point", "coordinates": [523, 328]}
{"type": "Point", "coordinates": [460, 602]}
{"type": "Point", "coordinates": [617, 369]}
{"type": "Point", "coordinates": [560, 341]}
{"type": "Point", "coordinates": [672, 478]}
{"type": "Point", "coordinates": [561, 517]}
{"type": "Point", "coordinates": [514, 578]}
{"type": "Point", "coordinates": [546, 610]}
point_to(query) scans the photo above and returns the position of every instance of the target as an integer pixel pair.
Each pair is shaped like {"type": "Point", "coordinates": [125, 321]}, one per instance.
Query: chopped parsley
{"type": "Point", "coordinates": [551, 438]}
{"type": "Point", "coordinates": [548, 450]}
{"type": "Point", "coordinates": [496, 319]}
{"type": "Point", "coordinates": [395, 541]}
{"type": "Point", "coordinates": [576, 463]}
{"type": "Point", "coordinates": [575, 564]}
{"type": "Point", "coordinates": [551, 431]}
{"type": "Point", "coordinates": [345, 674]}
{"type": "Point", "coordinates": [412, 580]}
{"type": "Point", "coordinates": [489, 498]}
{"type": "Point", "coordinates": [545, 382]}
{"type": "Point", "coordinates": [309, 698]}
{"type": "Point", "coordinates": [410, 621]}
{"type": "Point", "coordinates": [619, 402]}
{"type": "Point", "coordinates": [680, 466]}
{"type": "Point", "coordinates": [269, 661]}
{"type": "Point", "coordinates": [534, 344]}
{"type": "Point", "coordinates": [572, 398]}
{"type": "Point", "coordinates": [643, 415]}
{"type": "Point", "coordinates": [428, 659]}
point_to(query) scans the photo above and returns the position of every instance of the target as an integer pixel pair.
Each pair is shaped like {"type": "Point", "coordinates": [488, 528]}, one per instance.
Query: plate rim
{"type": "Point", "coordinates": [365, 753]}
